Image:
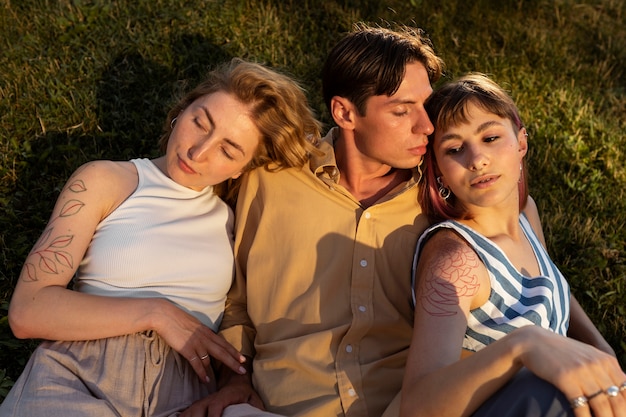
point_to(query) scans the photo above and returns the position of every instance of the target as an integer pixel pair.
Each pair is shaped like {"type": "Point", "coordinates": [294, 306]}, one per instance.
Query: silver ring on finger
{"type": "Point", "coordinates": [193, 359]}
{"type": "Point", "coordinates": [623, 386]}
{"type": "Point", "coordinates": [612, 391]}
{"type": "Point", "coordinates": [204, 357]}
{"type": "Point", "coordinates": [595, 394]}
{"type": "Point", "coordinates": [580, 401]}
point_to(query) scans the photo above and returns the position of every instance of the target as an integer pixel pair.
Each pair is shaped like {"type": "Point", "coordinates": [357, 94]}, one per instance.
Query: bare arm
{"type": "Point", "coordinates": [450, 281]}
{"type": "Point", "coordinates": [573, 367]}
{"type": "Point", "coordinates": [43, 307]}
{"type": "Point", "coordinates": [532, 214]}
{"type": "Point", "coordinates": [581, 327]}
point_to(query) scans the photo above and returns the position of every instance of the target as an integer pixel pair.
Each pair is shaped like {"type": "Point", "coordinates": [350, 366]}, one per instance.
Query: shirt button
{"type": "Point", "coordinates": [351, 392]}
{"type": "Point", "coordinates": [363, 263]}
{"type": "Point", "coordinates": [367, 215]}
{"type": "Point", "coordinates": [349, 348]}
{"type": "Point", "coordinates": [362, 309]}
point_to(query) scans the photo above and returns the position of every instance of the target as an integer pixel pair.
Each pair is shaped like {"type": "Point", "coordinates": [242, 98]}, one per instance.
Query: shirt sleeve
{"type": "Point", "coordinates": [237, 327]}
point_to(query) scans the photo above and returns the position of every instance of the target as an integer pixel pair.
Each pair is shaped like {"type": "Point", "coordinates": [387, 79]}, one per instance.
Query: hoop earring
{"type": "Point", "coordinates": [443, 191]}
{"type": "Point", "coordinates": [173, 122]}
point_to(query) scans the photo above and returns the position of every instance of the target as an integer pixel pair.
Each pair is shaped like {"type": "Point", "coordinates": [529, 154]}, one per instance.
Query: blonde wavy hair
{"type": "Point", "coordinates": [279, 108]}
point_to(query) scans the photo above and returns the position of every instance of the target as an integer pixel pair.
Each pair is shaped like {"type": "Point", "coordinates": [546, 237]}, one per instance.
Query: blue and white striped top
{"type": "Point", "coordinates": [515, 300]}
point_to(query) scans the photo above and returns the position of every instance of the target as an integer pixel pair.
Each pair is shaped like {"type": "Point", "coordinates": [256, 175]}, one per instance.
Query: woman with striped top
{"type": "Point", "coordinates": [488, 300]}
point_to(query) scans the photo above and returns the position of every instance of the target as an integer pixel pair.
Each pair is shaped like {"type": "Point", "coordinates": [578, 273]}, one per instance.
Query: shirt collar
{"type": "Point", "coordinates": [325, 166]}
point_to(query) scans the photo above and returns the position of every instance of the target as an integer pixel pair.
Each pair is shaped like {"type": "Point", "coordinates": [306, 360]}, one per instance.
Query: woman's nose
{"type": "Point", "coordinates": [477, 159]}
{"type": "Point", "coordinates": [200, 149]}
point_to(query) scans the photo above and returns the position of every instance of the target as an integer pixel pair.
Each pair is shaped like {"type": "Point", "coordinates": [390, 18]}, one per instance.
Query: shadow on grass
{"type": "Point", "coordinates": [133, 97]}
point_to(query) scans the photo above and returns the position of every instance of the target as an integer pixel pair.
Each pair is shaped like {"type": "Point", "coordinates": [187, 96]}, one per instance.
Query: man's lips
{"type": "Point", "coordinates": [418, 150]}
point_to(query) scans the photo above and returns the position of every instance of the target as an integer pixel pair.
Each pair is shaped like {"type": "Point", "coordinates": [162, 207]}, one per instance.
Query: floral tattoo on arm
{"type": "Point", "coordinates": [49, 253]}
{"type": "Point", "coordinates": [450, 278]}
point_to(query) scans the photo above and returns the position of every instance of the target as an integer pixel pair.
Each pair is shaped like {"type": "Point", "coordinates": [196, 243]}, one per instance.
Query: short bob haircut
{"type": "Point", "coordinates": [278, 107]}
{"type": "Point", "coordinates": [446, 107]}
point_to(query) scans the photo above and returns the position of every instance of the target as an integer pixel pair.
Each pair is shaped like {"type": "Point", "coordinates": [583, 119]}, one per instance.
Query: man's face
{"type": "Point", "coordinates": [395, 129]}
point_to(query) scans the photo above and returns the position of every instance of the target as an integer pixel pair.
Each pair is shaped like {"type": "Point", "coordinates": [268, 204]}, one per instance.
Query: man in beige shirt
{"type": "Point", "coordinates": [321, 299]}
{"type": "Point", "coordinates": [321, 303]}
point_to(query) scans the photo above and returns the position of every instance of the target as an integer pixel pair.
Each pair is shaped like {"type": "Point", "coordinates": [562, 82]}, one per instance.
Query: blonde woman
{"type": "Point", "coordinates": [149, 244]}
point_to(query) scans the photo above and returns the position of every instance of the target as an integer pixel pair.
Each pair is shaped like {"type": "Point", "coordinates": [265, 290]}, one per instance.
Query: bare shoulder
{"type": "Point", "coordinates": [109, 182]}
{"type": "Point", "coordinates": [106, 170]}
{"type": "Point", "coordinates": [445, 254]}
{"type": "Point", "coordinates": [450, 274]}
{"type": "Point", "coordinates": [444, 242]}
{"type": "Point", "coordinates": [532, 214]}
{"type": "Point", "coordinates": [106, 174]}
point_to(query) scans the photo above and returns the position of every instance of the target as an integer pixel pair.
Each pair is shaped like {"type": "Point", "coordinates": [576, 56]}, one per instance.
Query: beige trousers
{"type": "Point", "coordinates": [133, 375]}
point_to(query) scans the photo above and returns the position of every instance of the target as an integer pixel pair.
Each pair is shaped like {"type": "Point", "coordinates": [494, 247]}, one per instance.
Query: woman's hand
{"type": "Point", "coordinates": [195, 341]}
{"type": "Point", "coordinates": [578, 370]}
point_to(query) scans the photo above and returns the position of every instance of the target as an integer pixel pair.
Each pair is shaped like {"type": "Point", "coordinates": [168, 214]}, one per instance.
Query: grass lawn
{"type": "Point", "coordinates": [83, 80]}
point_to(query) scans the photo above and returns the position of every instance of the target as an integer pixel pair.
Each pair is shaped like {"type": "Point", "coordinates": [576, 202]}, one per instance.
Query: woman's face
{"type": "Point", "coordinates": [480, 160]}
{"type": "Point", "coordinates": [213, 140]}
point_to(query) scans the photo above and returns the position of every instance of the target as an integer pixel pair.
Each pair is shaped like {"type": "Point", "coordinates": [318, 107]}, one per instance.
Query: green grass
{"type": "Point", "coordinates": [82, 80]}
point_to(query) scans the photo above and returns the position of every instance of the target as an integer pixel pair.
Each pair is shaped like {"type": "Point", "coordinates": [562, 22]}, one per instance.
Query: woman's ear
{"type": "Point", "coordinates": [342, 110]}
{"type": "Point", "coordinates": [522, 140]}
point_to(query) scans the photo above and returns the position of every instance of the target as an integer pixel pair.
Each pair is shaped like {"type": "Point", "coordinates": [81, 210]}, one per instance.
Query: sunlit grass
{"type": "Point", "coordinates": [82, 80]}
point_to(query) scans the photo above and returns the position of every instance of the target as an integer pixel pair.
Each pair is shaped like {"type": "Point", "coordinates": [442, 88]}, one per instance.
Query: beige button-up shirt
{"type": "Point", "coordinates": [322, 293]}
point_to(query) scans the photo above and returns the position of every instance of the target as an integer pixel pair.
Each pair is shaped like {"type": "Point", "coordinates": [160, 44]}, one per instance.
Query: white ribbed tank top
{"type": "Point", "coordinates": [165, 240]}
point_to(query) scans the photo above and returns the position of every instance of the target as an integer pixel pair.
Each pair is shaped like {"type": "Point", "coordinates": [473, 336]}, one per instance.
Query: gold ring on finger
{"type": "Point", "coordinates": [204, 357]}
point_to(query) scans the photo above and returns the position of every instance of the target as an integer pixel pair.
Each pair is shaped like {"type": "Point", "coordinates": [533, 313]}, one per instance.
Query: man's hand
{"type": "Point", "coordinates": [238, 390]}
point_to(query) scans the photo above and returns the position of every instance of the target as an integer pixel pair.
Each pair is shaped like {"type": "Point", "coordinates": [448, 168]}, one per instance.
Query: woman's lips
{"type": "Point", "coordinates": [185, 167]}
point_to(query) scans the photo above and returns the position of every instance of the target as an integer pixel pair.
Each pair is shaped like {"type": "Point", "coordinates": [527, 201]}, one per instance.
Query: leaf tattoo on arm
{"type": "Point", "coordinates": [78, 186]}
{"type": "Point", "coordinates": [49, 249]}
{"type": "Point", "coordinates": [450, 278]}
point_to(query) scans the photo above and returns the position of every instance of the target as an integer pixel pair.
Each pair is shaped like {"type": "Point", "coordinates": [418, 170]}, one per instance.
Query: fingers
{"type": "Point", "coordinates": [199, 367]}
{"type": "Point", "coordinates": [189, 337]}
{"type": "Point", "coordinates": [255, 401]}
{"type": "Point", "coordinates": [223, 351]}
{"type": "Point", "coordinates": [592, 380]}
{"type": "Point", "coordinates": [200, 408]}
{"type": "Point", "coordinates": [214, 404]}
{"type": "Point", "coordinates": [609, 398]}
{"type": "Point", "coordinates": [606, 402]}
{"type": "Point", "coordinates": [610, 401]}
{"type": "Point", "coordinates": [208, 345]}
{"type": "Point", "coordinates": [580, 405]}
